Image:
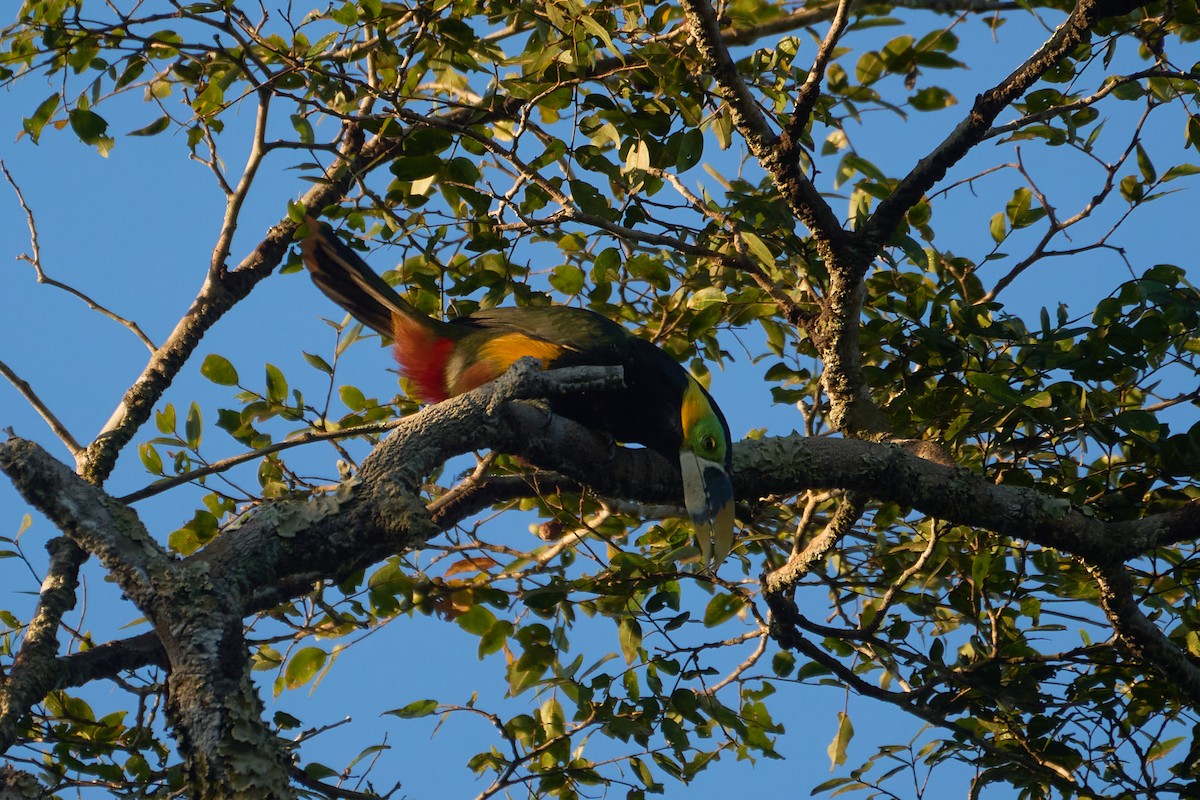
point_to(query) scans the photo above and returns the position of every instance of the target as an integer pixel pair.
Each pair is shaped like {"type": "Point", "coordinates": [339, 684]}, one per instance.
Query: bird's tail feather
{"type": "Point", "coordinates": [351, 283]}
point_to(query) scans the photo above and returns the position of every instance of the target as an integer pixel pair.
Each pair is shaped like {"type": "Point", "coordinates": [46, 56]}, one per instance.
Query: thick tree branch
{"type": "Point", "coordinates": [90, 518]}
{"type": "Point", "coordinates": [890, 473]}
{"type": "Point", "coordinates": [278, 553]}
{"type": "Point", "coordinates": [34, 671]}
{"type": "Point", "coordinates": [109, 659]}
{"type": "Point", "coordinates": [835, 331]}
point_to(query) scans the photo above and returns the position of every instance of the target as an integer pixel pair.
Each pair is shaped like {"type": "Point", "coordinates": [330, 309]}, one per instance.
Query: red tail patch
{"type": "Point", "coordinates": [422, 356]}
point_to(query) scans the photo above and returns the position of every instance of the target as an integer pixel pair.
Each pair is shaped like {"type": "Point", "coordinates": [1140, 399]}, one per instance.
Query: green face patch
{"type": "Point", "coordinates": [703, 432]}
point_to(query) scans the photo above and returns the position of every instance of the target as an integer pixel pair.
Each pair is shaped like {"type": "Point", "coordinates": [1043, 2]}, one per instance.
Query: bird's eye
{"type": "Point", "coordinates": [709, 442]}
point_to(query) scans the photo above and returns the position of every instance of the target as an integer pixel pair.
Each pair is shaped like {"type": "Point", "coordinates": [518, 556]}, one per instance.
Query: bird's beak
{"type": "Point", "coordinates": [708, 495]}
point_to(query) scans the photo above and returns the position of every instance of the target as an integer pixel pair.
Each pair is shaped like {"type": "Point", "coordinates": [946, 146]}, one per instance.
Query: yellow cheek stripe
{"type": "Point", "coordinates": [695, 406]}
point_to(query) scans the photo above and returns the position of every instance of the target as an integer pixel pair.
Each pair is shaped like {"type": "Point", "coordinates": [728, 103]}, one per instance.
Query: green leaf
{"type": "Point", "coordinates": [590, 201]}
{"type": "Point", "coordinates": [994, 386]}
{"type": "Point", "coordinates": [629, 632]}
{"type": "Point", "coordinates": [1179, 171]}
{"type": "Point", "coordinates": [758, 248]}
{"type": "Point", "coordinates": [192, 428]}
{"type": "Point", "coordinates": [219, 370]}
{"type": "Point", "coordinates": [998, 228]}
{"type": "Point", "coordinates": [981, 567]}
{"type": "Point", "coordinates": [691, 150]}
{"type": "Point", "coordinates": [870, 68]}
{"type": "Point", "coordinates": [305, 664]}
{"type": "Point", "coordinates": [150, 458]}
{"type": "Point", "coordinates": [165, 420]}
{"type": "Point", "coordinates": [411, 168]}
{"type": "Point", "coordinates": [722, 608]}
{"type": "Point", "coordinates": [1160, 749]}
{"type": "Point", "coordinates": [1149, 175]}
{"type": "Point", "coordinates": [1132, 189]}
{"type": "Point", "coordinates": [708, 296]}
{"type": "Point", "coordinates": [477, 620]}
{"type": "Point", "coordinates": [352, 397]}
{"type": "Point", "coordinates": [346, 14]}
{"type": "Point", "coordinates": [296, 211]}
{"type": "Point", "coordinates": [1020, 210]}
{"type": "Point", "coordinates": [183, 541]}
{"type": "Point", "coordinates": [303, 128]}
{"type": "Point", "coordinates": [90, 127]}
{"type": "Point", "coordinates": [567, 278]}
{"type": "Point", "coordinates": [599, 31]}
{"type": "Point", "coordinates": [33, 125]}
{"type": "Point", "coordinates": [319, 363]}
{"type": "Point", "coordinates": [494, 640]}
{"type": "Point", "coordinates": [1139, 422]}
{"type": "Point", "coordinates": [722, 126]}
{"type": "Point", "coordinates": [841, 741]}
{"type": "Point", "coordinates": [415, 709]}
{"type": "Point", "coordinates": [158, 126]}
{"type": "Point", "coordinates": [859, 164]}
{"type": "Point", "coordinates": [277, 385]}
{"type": "Point", "coordinates": [933, 98]}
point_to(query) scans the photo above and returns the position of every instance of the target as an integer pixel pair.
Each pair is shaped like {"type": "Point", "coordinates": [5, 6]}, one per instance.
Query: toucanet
{"type": "Point", "coordinates": [661, 405]}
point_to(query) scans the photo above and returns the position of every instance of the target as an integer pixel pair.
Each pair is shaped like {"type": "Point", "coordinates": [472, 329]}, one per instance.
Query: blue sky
{"type": "Point", "coordinates": [135, 232]}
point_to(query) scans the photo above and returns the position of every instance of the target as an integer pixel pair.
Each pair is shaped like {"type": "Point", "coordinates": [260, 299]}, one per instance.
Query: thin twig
{"type": "Point", "coordinates": [35, 260]}
{"type": "Point", "coordinates": [32, 398]}
{"type": "Point", "coordinates": [806, 98]}
{"type": "Point", "coordinates": [1109, 87]}
{"type": "Point", "coordinates": [307, 437]}
{"type": "Point", "coordinates": [235, 198]}
{"type": "Point", "coordinates": [751, 660]}
{"type": "Point", "coordinates": [1056, 227]}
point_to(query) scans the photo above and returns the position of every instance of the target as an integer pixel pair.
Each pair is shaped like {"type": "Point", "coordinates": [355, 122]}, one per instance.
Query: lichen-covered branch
{"type": "Point", "coordinates": [34, 671]}
{"type": "Point", "coordinates": [801, 563]}
{"type": "Point", "coordinates": [278, 553]}
{"type": "Point", "coordinates": [889, 473]}
{"type": "Point", "coordinates": [90, 518]}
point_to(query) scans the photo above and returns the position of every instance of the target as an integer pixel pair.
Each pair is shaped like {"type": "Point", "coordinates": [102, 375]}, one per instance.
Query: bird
{"type": "Point", "coordinates": [661, 405]}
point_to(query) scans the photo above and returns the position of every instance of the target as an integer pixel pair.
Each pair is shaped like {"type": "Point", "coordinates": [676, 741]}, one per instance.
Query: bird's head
{"type": "Point", "coordinates": [705, 459]}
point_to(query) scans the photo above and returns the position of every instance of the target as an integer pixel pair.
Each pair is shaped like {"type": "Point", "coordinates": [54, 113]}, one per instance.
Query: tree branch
{"type": "Point", "coordinates": [1143, 638]}
{"type": "Point", "coordinates": [220, 292]}
{"type": "Point", "coordinates": [280, 551]}
{"type": "Point", "coordinates": [878, 228]}
{"type": "Point", "coordinates": [806, 98]}
{"type": "Point", "coordinates": [31, 397]}
{"type": "Point", "coordinates": [776, 158]}
{"type": "Point", "coordinates": [34, 670]}
{"type": "Point", "coordinates": [90, 518]}
{"type": "Point", "coordinates": [35, 260]}
{"type": "Point", "coordinates": [801, 563]}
